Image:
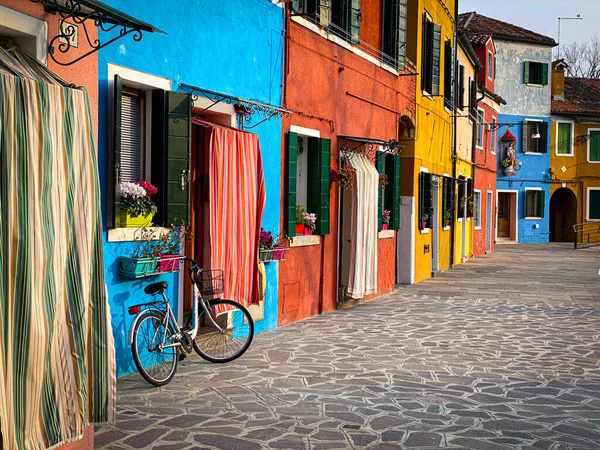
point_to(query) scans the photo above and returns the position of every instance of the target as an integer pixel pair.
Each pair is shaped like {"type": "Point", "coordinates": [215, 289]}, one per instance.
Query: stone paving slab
{"type": "Point", "coordinates": [453, 362]}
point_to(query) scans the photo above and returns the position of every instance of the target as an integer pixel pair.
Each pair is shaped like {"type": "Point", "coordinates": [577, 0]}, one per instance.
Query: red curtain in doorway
{"type": "Point", "coordinates": [236, 203]}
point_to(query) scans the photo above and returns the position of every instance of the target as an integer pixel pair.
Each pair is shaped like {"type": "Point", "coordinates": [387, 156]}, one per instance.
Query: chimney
{"type": "Point", "coordinates": [558, 79]}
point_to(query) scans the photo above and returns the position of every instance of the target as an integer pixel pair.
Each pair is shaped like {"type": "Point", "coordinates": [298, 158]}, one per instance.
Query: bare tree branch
{"type": "Point", "coordinates": [583, 58]}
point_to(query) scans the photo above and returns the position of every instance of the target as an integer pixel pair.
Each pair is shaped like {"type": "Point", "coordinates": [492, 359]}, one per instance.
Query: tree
{"type": "Point", "coordinates": [583, 58]}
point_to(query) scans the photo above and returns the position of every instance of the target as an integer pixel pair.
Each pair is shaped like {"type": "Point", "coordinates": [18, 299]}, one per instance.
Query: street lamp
{"type": "Point", "coordinates": [565, 18]}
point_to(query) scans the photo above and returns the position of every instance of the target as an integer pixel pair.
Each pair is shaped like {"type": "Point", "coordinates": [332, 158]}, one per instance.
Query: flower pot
{"type": "Point", "coordinates": [307, 231]}
{"type": "Point", "coordinates": [384, 227]}
{"type": "Point", "coordinates": [265, 254]}
{"type": "Point", "coordinates": [138, 267]}
{"type": "Point", "coordinates": [169, 262]}
{"type": "Point", "coordinates": [299, 229]}
{"type": "Point", "coordinates": [125, 220]}
{"type": "Point", "coordinates": [447, 223]}
{"type": "Point", "coordinates": [279, 253]}
{"type": "Point", "coordinates": [424, 225]}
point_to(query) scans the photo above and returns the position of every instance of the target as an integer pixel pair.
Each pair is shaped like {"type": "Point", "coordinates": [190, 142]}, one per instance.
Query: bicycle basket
{"type": "Point", "coordinates": [210, 282]}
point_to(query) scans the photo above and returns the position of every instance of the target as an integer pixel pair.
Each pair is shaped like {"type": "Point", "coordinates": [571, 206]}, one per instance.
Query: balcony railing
{"type": "Point", "coordinates": [586, 235]}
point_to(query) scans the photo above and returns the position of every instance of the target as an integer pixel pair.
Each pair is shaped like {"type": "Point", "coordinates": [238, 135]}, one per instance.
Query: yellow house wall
{"type": "Point", "coordinates": [433, 144]}
{"type": "Point", "coordinates": [579, 174]}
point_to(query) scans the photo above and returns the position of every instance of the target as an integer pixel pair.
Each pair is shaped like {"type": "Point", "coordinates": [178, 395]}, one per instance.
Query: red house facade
{"type": "Point", "coordinates": [485, 156]}
{"type": "Point", "coordinates": [351, 91]}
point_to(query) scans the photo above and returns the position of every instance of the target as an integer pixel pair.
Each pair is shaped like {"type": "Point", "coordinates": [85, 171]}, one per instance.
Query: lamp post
{"type": "Point", "coordinates": [565, 18]}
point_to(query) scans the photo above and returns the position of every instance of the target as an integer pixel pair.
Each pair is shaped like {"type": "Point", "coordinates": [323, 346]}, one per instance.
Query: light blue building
{"type": "Point", "coordinates": [228, 50]}
{"type": "Point", "coordinates": [522, 69]}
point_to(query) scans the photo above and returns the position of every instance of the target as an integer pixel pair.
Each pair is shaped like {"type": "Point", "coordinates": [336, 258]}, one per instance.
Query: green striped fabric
{"type": "Point", "coordinates": [57, 370]}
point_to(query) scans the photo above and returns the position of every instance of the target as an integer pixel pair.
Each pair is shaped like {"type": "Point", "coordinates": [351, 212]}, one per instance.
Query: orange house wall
{"type": "Point", "coordinates": [320, 75]}
{"type": "Point", "coordinates": [83, 73]}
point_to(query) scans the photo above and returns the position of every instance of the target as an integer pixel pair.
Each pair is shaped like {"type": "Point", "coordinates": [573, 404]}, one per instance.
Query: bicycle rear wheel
{"type": "Point", "coordinates": [233, 335]}
{"type": "Point", "coordinates": [156, 364]}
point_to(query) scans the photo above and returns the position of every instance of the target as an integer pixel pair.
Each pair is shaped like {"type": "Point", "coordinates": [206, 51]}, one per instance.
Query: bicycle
{"type": "Point", "coordinates": [218, 330]}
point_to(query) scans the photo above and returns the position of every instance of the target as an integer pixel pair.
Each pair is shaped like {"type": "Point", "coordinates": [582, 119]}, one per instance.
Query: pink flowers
{"type": "Point", "coordinates": [386, 216]}
{"type": "Point", "coordinates": [310, 220]}
{"type": "Point", "coordinates": [266, 239]}
{"type": "Point", "coordinates": [150, 189]}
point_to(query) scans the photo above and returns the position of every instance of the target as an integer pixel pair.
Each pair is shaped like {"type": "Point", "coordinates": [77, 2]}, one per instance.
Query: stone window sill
{"type": "Point", "coordinates": [305, 241]}
{"type": "Point", "coordinates": [128, 234]}
{"type": "Point", "coordinates": [386, 234]}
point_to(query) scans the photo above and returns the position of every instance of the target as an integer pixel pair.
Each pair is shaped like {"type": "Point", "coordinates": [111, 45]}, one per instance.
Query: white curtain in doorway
{"type": "Point", "coordinates": [363, 249]}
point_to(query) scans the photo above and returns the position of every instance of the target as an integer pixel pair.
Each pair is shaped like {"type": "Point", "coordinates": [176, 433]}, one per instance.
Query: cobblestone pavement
{"type": "Point", "coordinates": [502, 352]}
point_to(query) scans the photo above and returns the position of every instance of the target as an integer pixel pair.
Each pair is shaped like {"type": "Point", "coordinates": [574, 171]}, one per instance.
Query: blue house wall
{"type": "Point", "coordinates": [226, 46]}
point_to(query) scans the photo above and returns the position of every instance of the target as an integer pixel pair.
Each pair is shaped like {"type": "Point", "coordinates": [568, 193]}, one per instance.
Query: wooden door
{"type": "Point", "coordinates": [503, 215]}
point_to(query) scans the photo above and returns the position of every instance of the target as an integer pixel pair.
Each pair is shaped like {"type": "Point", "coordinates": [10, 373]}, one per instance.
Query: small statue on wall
{"type": "Point", "coordinates": [509, 163]}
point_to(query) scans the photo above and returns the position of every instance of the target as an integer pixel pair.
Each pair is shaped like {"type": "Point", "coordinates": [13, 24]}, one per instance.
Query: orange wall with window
{"type": "Point", "coordinates": [332, 89]}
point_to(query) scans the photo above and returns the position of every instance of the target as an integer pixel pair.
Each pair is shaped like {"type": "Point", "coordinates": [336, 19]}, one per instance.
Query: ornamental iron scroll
{"type": "Point", "coordinates": [85, 12]}
{"type": "Point", "coordinates": [371, 148]}
{"type": "Point", "coordinates": [251, 114]}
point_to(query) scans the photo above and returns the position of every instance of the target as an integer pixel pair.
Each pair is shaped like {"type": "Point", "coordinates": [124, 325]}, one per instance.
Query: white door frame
{"type": "Point", "coordinates": [435, 227]}
{"type": "Point", "coordinates": [515, 220]}
{"type": "Point", "coordinates": [489, 219]}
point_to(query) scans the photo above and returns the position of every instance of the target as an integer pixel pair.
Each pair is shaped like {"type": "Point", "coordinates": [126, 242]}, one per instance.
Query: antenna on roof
{"type": "Point", "coordinates": [565, 18]}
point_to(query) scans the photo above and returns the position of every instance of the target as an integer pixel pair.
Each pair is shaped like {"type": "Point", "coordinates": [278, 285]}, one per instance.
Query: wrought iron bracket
{"type": "Point", "coordinates": [371, 148]}
{"type": "Point", "coordinates": [85, 13]}
{"type": "Point", "coordinates": [251, 114]}
{"type": "Point", "coordinates": [584, 138]}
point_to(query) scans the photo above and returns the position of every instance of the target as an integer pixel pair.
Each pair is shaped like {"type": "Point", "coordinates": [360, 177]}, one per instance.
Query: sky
{"type": "Point", "coordinates": [542, 16]}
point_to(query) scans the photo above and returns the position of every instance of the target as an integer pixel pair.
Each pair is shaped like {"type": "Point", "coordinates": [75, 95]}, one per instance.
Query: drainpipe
{"type": "Point", "coordinates": [454, 114]}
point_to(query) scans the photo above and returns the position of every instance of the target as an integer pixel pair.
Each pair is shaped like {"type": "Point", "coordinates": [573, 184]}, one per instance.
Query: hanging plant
{"type": "Point", "coordinates": [346, 175]}
{"type": "Point", "coordinates": [383, 180]}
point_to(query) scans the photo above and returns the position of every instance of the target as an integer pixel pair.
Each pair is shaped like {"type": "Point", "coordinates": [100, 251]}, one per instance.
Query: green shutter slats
{"type": "Point", "coordinates": [424, 53]}
{"type": "Point", "coordinates": [421, 199]}
{"type": "Point", "coordinates": [526, 72]}
{"type": "Point", "coordinates": [435, 61]}
{"type": "Point", "coordinates": [292, 161]}
{"type": "Point", "coordinates": [594, 204]}
{"type": "Point", "coordinates": [401, 41]}
{"type": "Point", "coordinates": [594, 146]}
{"type": "Point", "coordinates": [471, 195]}
{"type": "Point", "coordinates": [355, 18]}
{"type": "Point", "coordinates": [541, 206]}
{"type": "Point", "coordinates": [396, 196]}
{"type": "Point", "coordinates": [380, 196]}
{"type": "Point", "coordinates": [544, 137]}
{"type": "Point", "coordinates": [323, 222]}
{"type": "Point", "coordinates": [388, 32]}
{"type": "Point", "coordinates": [429, 198]}
{"type": "Point", "coordinates": [544, 74]}
{"type": "Point", "coordinates": [116, 150]}
{"type": "Point", "coordinates": [313, 171]}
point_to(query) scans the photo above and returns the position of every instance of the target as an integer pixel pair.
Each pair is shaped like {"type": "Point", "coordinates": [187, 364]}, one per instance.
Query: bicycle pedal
{"type": "Point", "coordinates": [182, 356]}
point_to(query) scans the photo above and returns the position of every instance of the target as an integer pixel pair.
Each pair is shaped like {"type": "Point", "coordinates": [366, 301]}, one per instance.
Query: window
{"type": "Point", "coordinates": [593, 204]}
{"type": "Point", "coordinates": [594, 146]}
{"type": "Point", "coordinates": [389, 196]}
{"type": "Point", "coordinates": [480, 128]}
{"type": "Point", "coordinates": [535, 73]}
{"type": "Point", "coordinates": [461, 86]}
{"type": "Point", "coordinates": [564, 138]}
{"type": "Point", "coordinates": [494, 142]}
{"type": "Point", "coordinates": [425, 201]}
{"type": "Point", "coordinates": [345, 19]}
{"type": "Point", "coordinates": [448, 187]}
{"type": "Point", "coordinates": [162, 160]}
{"type": "Point", "coordinates": [308, 165]}
{"type": "Point", "coordinates": [430, 66]}
{"type": "Point", "coordinates": [534, 203]}
{"type": "Point", "coordinates": [490, 64]}
{"type": "Point", "coordinates": [477, 209]}
{"type": "Point", "coordinates": [473, 99]}
{"type": "Point", "coordinates": [448, 74]}
{"type": "Point", "coordinates": [394, 32]}
{"type": "Point", "coordinates": [535, 137]}
{"type": "Point", "coordinates": [319, 11]}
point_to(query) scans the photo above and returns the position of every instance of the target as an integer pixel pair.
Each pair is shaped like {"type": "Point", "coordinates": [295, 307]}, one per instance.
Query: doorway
{"type": "Point", "coordinates": [435, 227]}
{"type": "Point", "coordinates": [563, 215]}
{"type": "Point", "coordinates": [489, 222]}
{"type": "Point", "coordinates": [507, 216]}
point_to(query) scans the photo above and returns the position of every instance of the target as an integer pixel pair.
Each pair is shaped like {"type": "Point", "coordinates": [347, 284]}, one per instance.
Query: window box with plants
{"type": "Point", "coordinates": [385, 219]}
{"type": "Point", "coordinates": [424, 220]}
{"type": "Point", "coordinates": [306, 222]}
{"type": "Point", "coordinates": [271, 247]}
{"type": "Point", "coordinates": [447, 218]}
{"type": "Point", "coordinates": [136, 207]}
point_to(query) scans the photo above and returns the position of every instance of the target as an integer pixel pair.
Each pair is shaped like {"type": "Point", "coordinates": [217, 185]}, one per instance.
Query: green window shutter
{"type": "Point", "coordinates": [447, 71]}
{"type": "Point", "coordinates": [525, 136]}
{"type": "Point", "coordinates": [401, 41]}
{"type": "Point", "coordinates": [526, 72]}
{"type": "Point", "coordinates": [445, 197]}
{"type": "Point", "coordinates": [563, 138]}
{"type": "Point", "coordinates": [435, 62]}
{"type": "Point", "coordinates": [380, 206]}
{"type": "Point", "coordinates": [544, 74]}
{"type": "Point", "coordinates": [471, 195]}
{"type": "Point", "coordinates": [388, 34]}
{"type": "Point", "coordinates": [355, 18]}
{"type": "Point", "coordinates": [421, 199]}
{"type": "Point", "coordinates": [544, 137]}
{"type": "Point", "coordinates": [594, 146]}
{"type": "Point", "coordinates": [429, 198]}
{"type": "Point", "coordinates": [116, 150]}
{"type": "Point", "coordinates": [452, 197]}
{"type": "Point", "coordinates": [425, 54]}
{"type": "Point", "coordinates": [171, 146]}
{"type": "Point", "coordinates": [541, 205]}
{"type": "Point", "coordinates": [292, 161]}
{"type": "Point", "coordinates": [319, 151]}
{"type": "Point", "coordinates": [594, 204]}
{"type": "Point", "coordinates": [395, 164]}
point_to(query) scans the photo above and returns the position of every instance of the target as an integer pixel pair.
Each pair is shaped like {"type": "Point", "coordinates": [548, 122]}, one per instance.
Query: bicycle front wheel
{"type": "Point", "coordinates": [231, 336]}
{"type": "Point", "coordinates": [154, 359]}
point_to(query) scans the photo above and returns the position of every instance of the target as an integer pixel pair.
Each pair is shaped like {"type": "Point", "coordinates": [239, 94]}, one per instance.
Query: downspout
{"type": "Point", "coordinates": [454, 118]}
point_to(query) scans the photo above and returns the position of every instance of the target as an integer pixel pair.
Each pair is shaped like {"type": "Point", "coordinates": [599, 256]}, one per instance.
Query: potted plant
{"type": "Point", "coordinates": [270, 247]}
{"type": "Point", "coordinates": [142, 261]}
{"type": "Point", "coordinates": [137, 208]}
{"type": "Point", "coordinates": [300, 223]}
{"type": "Point", "coordinates": [385, 218]}
{"type": "Point", "coordinates": [346, 174]}
{"type": "Point", "coordinates": [447, 217]}
{"type": "Point", "coordinates": [424, 219]}
{"type": "Point", "coordinates": [310, 223]}
{"type": "Point", "coordinates": [169, 245]}
{"type": "Point", "coordinates": [466, 200]}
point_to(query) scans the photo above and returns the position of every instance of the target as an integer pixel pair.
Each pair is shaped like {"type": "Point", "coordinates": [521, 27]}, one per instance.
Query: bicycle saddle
{"type": "Point", "coordinates": [156, 288]}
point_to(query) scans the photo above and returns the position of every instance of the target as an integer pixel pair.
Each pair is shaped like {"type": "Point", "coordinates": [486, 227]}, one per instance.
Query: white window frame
{"type": "Point", "coordinates": [480, 128]}
{"type": "Point", "coordinates": [589, 130]}
{"type": "Point", "coordinates": [572, 123]}
{"type": "Point", "coordinates": [494, 136]}
{"type": "Point", "coordinates": [531, 153]}
{"type": "Point", "coordinates": [23, 26]}
{"type": "Point", "coordinates": [587, 204]}
{"type": "Point", "coordinates": [424, 230]}
{"type": "Point", "coordinates": [490, 66]}
{"type": "Point", "coordinates": [477, 217]}
{"type": "Point", "coordinates": [525, 203]}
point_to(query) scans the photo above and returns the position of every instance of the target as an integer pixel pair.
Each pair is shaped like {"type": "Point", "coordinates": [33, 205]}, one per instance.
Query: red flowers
{"type": "Point", "coordinates": [150, 190]}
